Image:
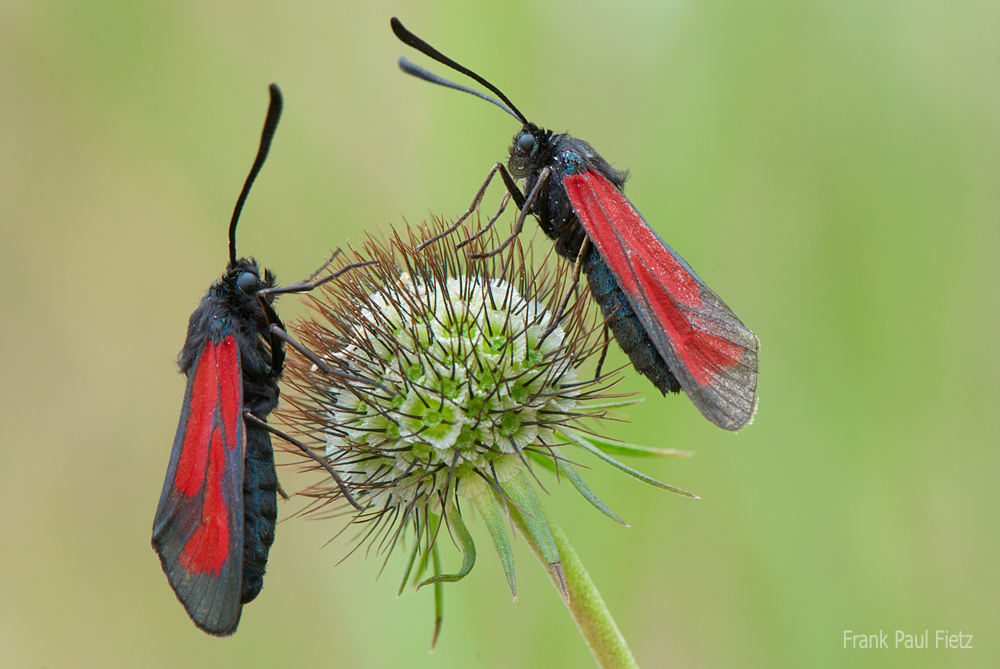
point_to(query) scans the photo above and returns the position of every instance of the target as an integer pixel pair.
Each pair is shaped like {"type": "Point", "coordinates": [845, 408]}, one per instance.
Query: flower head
{"type": "Point", "coordinates": [478, 380]}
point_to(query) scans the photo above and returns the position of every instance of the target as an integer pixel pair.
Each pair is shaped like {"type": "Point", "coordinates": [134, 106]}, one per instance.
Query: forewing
{"type": "Point", "coordinates": [712, 354]}
{"type": "Point", "coordinates": [198, 529]}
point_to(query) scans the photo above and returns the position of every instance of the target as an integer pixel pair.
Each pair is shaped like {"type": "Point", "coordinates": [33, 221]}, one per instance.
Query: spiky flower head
{"type": "Point", "coordinates": [478, 373]}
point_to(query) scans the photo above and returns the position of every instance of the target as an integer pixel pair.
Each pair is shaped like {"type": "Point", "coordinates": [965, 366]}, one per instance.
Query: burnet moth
{"type": "Point", "coordinates": [674, 329]}
{"type": "Point", "coordinates": [215, 521]}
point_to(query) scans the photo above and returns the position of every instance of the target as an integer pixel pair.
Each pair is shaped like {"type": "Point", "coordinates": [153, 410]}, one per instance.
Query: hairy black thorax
{"type": "Point", "coordinates": [563, 155]}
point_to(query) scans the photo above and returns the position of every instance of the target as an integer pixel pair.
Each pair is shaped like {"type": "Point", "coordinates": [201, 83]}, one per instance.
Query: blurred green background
{"type": "Point", "coordinates": [831, 169]}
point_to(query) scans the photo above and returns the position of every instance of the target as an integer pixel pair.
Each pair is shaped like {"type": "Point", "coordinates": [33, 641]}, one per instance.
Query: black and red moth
{"type": "Point", "coordinates": [215, 521]}
{"type": "Point", "coordinates": [674, 329]}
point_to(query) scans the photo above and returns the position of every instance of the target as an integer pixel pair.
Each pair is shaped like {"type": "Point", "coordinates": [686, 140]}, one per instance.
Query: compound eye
{"type": "Point", "coordinates": [526, 143]}
{"type": "Point", "coordinates": [248, 282]}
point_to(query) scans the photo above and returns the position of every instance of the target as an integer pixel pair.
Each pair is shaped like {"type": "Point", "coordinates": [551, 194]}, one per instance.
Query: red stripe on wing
{"type": "Point", "coordinates": [703, 354]}
{"type": "Point", "coordinates": [198, 529]}
{"type": "Point", "coordinates": [207, 549]}
{"type": "Point", "coordinates": [705, 345]}
{"type": "Point", "coordinates": [211, 439]}
{"type": "Point", "coordinates": [617, 229]}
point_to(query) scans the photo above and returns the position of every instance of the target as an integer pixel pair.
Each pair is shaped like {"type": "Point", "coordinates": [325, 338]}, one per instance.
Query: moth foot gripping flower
{"type": "Point", "coordinates": [482, 389]}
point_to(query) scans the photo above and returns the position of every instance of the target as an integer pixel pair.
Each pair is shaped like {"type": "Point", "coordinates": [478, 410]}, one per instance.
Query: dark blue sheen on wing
{"type": "Point", "coordinates": [625, 325]}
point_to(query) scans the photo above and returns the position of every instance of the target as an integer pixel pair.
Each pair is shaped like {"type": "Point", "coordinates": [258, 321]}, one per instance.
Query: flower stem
{"type": "Point", "coordinates": [585, 603]}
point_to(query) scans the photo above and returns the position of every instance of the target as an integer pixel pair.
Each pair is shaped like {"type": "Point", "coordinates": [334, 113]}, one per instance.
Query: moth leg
{"type": "Point", "coordinates": [513, 193]}
{"type": "Point", "coordinates": [475, 205]}
{"type": "Point", "coordinates": [249, 417]}
{"type": "Point", "coordinates": [276, 329]}
{"type": "Point", "coordinates": [604, 352]}
{"type": "Point", "coordinates": [577, 267]}
{"type": "Point", "coordinates": [543, 177]}
{"type": "Point", "coordinates": [310, 283]}
{"type": "Point", "coordinates": [512, 188]}
{"type": "Point", "coordinates": [489, 224]}
{"type": "Point", "coordinates": [280, 333]}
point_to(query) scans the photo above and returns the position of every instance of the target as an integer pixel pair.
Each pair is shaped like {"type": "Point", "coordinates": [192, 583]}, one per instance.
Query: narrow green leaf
{"type": "Point", "coordinates": [461, 533]}
{"type": "Point", "coordinates": [581, 486]}
{"type": "Point", "coordinates": [567, 470]}
{"type": "Point", "coordinates": [432, 520]}
{"type": "Point", "coordinates": [622, 448]}
{"type": "Point", "coordinates": [489, 508]}
{"type": "Point", "coordinates": [587, 446]}
{"type": "Point", "coordinates": [409, 564]}
{"type": "Point", "coordinates": [438, 599]}
{"type": "Point", "coordinates": [532, 515]}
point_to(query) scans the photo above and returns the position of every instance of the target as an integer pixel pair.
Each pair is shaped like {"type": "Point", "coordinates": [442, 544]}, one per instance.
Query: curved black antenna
{"type": "Point", "coordinates": [421, 73]}
{"type": "Point", "coordinates": [423, 47]}
{"type": "Point", "coordinates": [270, 124]}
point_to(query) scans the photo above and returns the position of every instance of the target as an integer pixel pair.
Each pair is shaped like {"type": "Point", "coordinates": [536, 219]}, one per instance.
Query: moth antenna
{"type": "Point", "coordinates": [270, 124]}
{"type": "Point", "coordinates": [421, 73]}
{"type": "Point", "coordinates": [423, 47]}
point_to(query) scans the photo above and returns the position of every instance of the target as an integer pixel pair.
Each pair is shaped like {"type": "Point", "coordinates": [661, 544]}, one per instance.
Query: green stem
{"type": "Point", "coordinates": [585, 604]}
